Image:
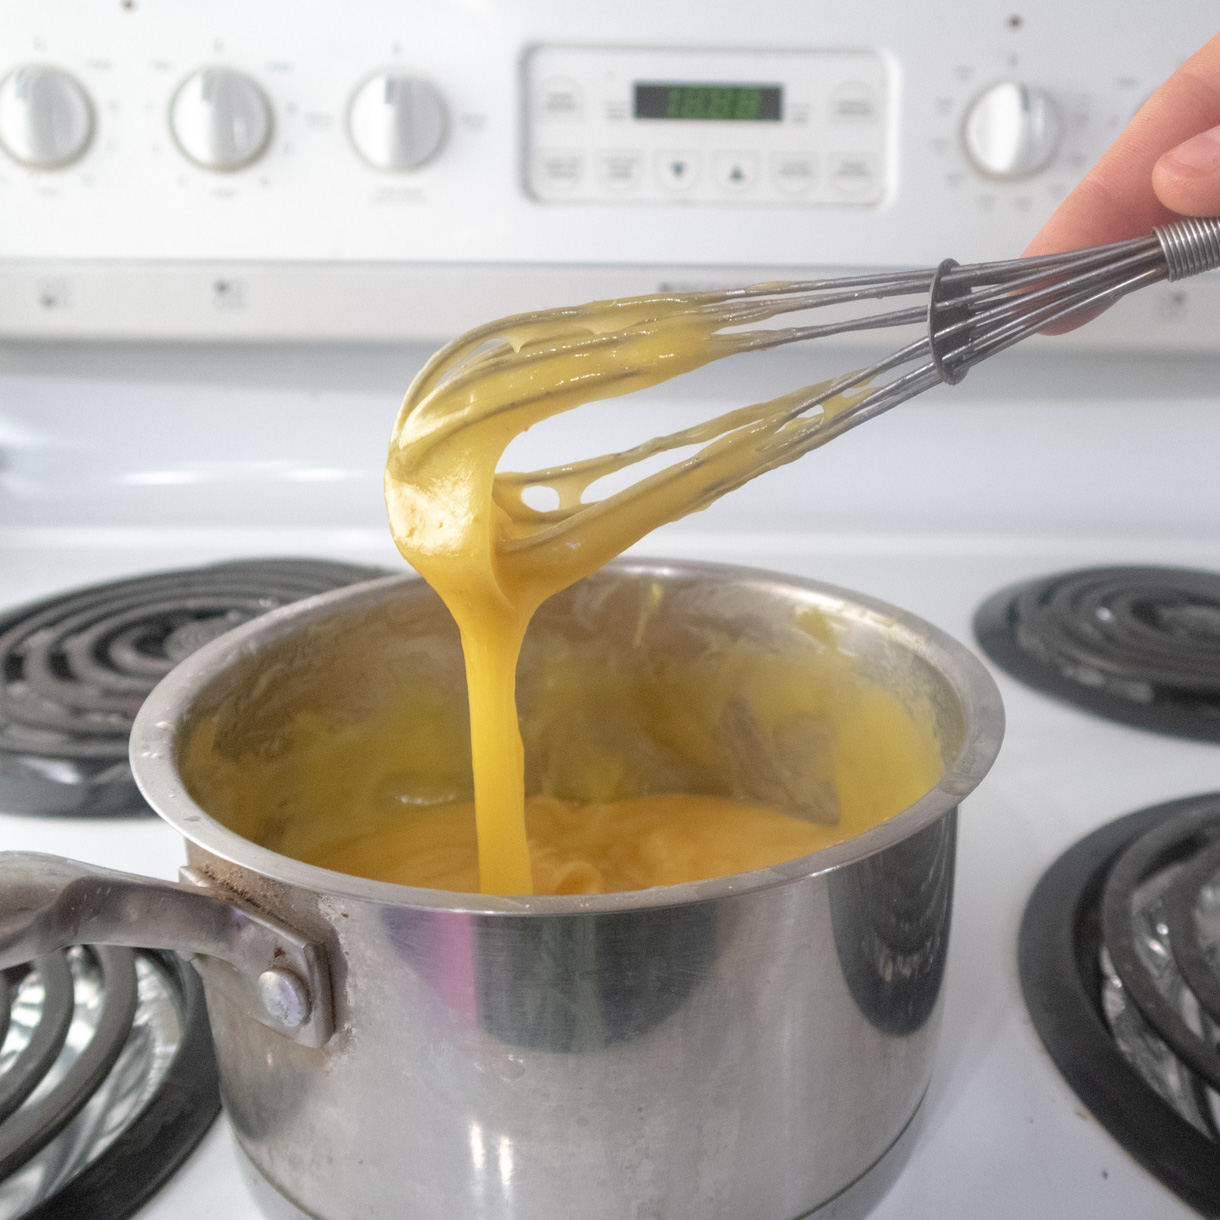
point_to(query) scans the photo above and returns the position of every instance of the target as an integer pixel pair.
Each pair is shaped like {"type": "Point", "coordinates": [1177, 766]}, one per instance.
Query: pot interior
{"type": "Point", "coordinates": [638, 680]}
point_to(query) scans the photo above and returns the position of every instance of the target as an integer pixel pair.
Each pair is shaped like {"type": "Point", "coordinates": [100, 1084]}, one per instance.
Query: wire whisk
{"type": "Point", "coordinates": [967, 314]}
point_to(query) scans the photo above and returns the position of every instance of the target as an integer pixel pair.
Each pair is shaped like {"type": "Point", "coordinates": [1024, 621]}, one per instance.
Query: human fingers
{"type": "Point", "coordinates": [1186, 179]}
{"type": "Point", "coordinates": [1117, 199]}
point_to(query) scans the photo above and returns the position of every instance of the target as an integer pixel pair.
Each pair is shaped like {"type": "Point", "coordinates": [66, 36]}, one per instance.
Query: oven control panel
{"type": "Point", "coordinates": [617, 125]}
{"type": "Point", "coordinates": [405, 169]}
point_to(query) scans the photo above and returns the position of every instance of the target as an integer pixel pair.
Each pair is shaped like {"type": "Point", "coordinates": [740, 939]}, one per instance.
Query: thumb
{"type": "Point", "coordinates": [1186, 179]}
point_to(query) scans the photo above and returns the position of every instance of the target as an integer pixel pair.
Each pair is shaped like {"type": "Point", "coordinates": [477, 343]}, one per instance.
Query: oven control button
{"type": "Point", "coordinates": [855, 103]}
{"type": "Point", "coordinates": [854, 175]}
{"type": "Point", "coordinates": [1012, 130]}
{"type": "Point", "coordinates": [677, 170]}
{"type": "Point", "coordinates": [735, 172]}
{"type": "Point", "coordinates": [46, 118]}
{"type": "Point", "coordinates": [794, 172]}
{"type": "Point", "coordinates": [560, 99]}
{"type": "Point", "coordinates": [220, 119]}
{"type": "Point", "coordinates": [558, 170]}
{"type": "Point", "coordinates": [397, 122]}
{"type": "Point", "coordinates": [621, 169]}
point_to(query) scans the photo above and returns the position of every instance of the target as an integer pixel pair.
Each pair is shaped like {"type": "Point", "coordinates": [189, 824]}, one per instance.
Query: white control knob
{"type": "Point", "coordinates": [46, 118]}
{"type": "Point", "coordinates": [220, 119]}
{"type": "Point", "coordinates": [397, 122]}
{"type": "Point", "coordinates": [1012, 130]}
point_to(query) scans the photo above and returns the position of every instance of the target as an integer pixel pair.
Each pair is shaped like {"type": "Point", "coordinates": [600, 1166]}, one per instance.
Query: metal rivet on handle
{"type": "Point", "coordinates": [284, 996]}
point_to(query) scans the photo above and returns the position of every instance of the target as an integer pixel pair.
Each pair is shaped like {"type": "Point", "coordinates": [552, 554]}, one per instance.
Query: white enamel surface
{"type": "Point", "coordinates": [122, 460]}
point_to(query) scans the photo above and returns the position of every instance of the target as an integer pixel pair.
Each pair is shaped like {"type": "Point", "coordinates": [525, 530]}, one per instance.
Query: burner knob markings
{"type": "Point", "coordinates": [1012, 130]}
{"type": "Point", "coordinates": [220, 119]}
{"type": "Point", "coordinates": [46, 118]}
{"type": "Point", "coordinates": [397, 122]}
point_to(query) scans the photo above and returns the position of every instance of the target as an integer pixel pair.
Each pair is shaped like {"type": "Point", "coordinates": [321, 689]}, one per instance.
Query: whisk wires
{"type": "Point", "coordinates": [967, 314]}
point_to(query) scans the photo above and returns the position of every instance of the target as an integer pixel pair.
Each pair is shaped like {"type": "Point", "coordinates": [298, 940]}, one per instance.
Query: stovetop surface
{"type": "Point", "coordinates": [1003, 1135]}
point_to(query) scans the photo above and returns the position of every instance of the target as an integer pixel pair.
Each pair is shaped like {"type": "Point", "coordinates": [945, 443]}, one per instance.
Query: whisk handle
{"type": "Point", "coordinates": [1191, 246]}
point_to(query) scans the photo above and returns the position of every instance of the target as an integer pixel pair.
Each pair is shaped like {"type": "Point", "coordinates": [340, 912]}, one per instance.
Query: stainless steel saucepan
{"type": "Point", "coordinates": [749, 1048]}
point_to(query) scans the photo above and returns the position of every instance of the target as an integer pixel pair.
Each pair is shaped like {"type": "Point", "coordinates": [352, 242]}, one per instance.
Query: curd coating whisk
{"type": "Point", "coordinates": [968, 314]}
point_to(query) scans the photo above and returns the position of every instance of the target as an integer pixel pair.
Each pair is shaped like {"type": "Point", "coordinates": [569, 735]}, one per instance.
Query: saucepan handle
{"type": "Point", "coordinates": [275, 975]}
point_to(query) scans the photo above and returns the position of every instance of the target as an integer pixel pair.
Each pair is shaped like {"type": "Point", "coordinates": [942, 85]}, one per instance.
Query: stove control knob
{"type": "Point", "coordinates": [46, 118]}
{"type": "Point", "coordinates": [220, 119]}
{"type": "Point", "coordinates": [397, 122]}
{"type": "Point", "coordinates": [1012, 130]}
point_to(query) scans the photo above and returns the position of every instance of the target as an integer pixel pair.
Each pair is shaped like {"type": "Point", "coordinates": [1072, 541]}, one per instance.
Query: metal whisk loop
{"type": "Point", "coordinates": [947, 308]}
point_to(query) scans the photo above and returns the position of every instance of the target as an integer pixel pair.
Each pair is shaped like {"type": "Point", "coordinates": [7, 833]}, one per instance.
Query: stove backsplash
{"type": "Point", "coordinates": [114, 436]}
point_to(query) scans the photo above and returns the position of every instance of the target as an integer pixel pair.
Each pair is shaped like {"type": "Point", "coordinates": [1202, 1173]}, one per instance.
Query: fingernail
{"type": "Point", "coordinates": [1201, 152]}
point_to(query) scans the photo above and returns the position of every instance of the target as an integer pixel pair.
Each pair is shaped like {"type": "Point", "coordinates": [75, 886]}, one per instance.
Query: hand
{"type": "Point", "coordinates": [1165, 163]}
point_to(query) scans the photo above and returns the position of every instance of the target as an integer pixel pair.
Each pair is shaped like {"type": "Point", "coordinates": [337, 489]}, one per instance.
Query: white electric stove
{"type": "Point", "coordinates": [230, 234]}
{"type": "Point", "coordinates": [1030, 467]}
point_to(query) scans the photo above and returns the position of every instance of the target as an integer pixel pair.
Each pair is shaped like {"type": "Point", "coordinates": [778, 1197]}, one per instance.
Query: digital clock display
{"type": "Point", "coordinates": [709, 103]}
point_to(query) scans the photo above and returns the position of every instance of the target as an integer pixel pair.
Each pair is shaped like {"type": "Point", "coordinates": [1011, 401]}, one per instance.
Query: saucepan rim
{"type": "Point", "coordinates": [154, 755]}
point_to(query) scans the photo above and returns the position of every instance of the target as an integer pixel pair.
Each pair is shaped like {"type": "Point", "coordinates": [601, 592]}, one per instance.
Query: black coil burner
{"type": "Point", "coordinates": [107, 1081]}
{"type": "Point", "coordinates": [1140, 645]}
{"type": "Point", "coordinates": [1119, 956]}
{"type": "Point", "coordinates": [75, 668]}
